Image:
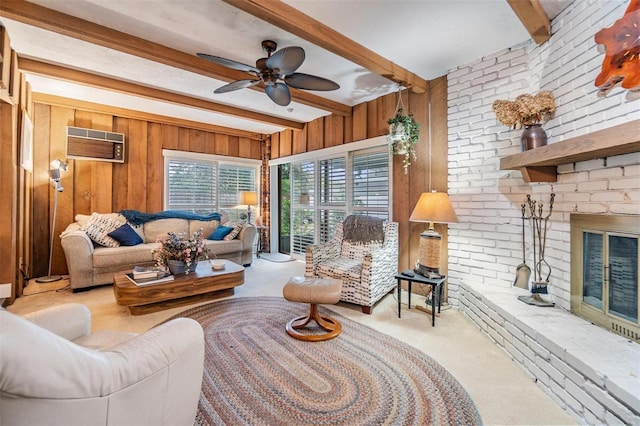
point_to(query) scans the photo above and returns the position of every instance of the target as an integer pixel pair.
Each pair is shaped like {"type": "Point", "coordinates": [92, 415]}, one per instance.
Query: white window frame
{"type": "Point", "coordinates": [345, 150]}
{"type": "Point", "coordinates": [218, 160]}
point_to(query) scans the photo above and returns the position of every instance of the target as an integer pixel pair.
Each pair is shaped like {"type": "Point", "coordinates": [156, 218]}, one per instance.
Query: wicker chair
{"type": "Point", "coordinates": [366, 270]}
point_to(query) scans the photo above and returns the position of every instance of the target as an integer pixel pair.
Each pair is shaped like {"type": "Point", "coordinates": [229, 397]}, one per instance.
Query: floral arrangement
{"type": "Point", "coordinates": [525, 110]}
{"type": "Point", "coordinates": [404, 142]}
{"type": "Point", "coordinates": [177, 247]}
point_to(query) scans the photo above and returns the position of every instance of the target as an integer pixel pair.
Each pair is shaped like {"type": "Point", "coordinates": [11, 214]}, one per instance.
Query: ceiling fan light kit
{"type": "Point", "coordinates": [276, 72]}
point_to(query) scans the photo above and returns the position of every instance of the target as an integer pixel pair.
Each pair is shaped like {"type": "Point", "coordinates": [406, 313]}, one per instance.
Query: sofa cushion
{"type": "Point", "coordinates": [126, 236]}
{"type": "Point", "coordinates": [99, 227]}
{"type": "Point", "coordinates": [160, 228]}
{"type": "Point", "coordinates": [107, 257]}
{"type": "Point", "coordinates": [217, 248]}
{"type": "Point", "coordinates": [341, 268]}
{"type": "Point", "coordinates": [236, 228]}
{"type": "Point", "coordinates": [82, 219]}
{"type": "Point", "coordinates": [220, 232]}
{"type": "Point", "coordinates": [207, 226]}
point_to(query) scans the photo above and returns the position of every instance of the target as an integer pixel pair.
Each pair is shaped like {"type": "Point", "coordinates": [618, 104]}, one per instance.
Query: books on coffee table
{"type": "Point", "coordinates": [148, 281]}
{"type": "Point", "coordinates": [145, 272]}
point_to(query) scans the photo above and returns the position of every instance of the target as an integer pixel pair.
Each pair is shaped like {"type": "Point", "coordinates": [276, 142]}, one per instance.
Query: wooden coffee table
{"type": "Point", "coordinates": [203, 284]}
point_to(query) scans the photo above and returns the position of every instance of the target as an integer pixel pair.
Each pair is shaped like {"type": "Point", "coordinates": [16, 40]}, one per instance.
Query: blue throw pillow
{"type": "Point", "coordinates": [126, 236]}
{"type": "Point", "coordinates": [220, 232]}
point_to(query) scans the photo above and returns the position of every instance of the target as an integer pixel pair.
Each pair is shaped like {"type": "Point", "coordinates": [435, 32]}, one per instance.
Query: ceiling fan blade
{"type": "Point", "coordinates": [279, 93]}
{"type": "Point", "coordinates": [228, 63]}
{"type": "Point", "coordinates": [299, 80]}
{"type": "Point", "coordinates": [286, 60]}
{"type": "Point", "coordinates": [240, 84]}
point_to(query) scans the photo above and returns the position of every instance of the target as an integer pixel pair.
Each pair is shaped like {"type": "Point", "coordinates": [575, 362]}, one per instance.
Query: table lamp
{"type": "Point", "coordinates": [250, 198]}
{"type": "Point", "coordinates": [432, 207]}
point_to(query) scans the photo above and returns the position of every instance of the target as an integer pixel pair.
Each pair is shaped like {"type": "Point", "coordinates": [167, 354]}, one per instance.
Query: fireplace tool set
{"type": "Point", "coordinates": [539, 226]}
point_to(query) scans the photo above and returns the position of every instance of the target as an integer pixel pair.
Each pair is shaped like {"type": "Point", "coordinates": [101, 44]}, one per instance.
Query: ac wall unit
{"type": "Point", "coordinates": [96, 145]}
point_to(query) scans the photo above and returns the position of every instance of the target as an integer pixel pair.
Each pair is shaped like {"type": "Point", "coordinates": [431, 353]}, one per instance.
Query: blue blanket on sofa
{"type": "Point", "coordinates": [138, 218]}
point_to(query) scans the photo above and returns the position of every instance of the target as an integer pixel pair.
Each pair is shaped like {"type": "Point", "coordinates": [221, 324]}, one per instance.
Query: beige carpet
{"type": "Point", "coordinates": [502, 392]}
{"type": "Point", "coordinates": [36, 287]}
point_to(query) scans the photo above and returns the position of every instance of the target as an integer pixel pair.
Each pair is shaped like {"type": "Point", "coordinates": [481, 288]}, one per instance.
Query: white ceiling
{"type": "Point", "coordinates": [427, 37]}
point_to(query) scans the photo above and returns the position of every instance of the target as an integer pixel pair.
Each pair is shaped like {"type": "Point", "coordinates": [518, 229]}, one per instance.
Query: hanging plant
{"type": "Point", "coordinates": [404, 133]}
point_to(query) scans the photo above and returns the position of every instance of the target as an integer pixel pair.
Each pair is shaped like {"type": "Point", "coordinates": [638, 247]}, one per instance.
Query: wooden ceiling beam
{"type": "Point", "coordinates": [534, 19]}
{"type": "Point", "coordinates": [140, 115]}
{"type": "Point", "coordinates": [51, 20]}
{"type": "Point", "coordinates": [295, 22]}
{"type": "Point", "coordinates": [31, 66]}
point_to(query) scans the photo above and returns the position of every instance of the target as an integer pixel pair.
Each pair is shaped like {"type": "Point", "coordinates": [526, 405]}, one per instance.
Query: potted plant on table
{"type": "Point", "coordinates": [404, 133]}
{"type": "Point", "coordinates": [180, 254]}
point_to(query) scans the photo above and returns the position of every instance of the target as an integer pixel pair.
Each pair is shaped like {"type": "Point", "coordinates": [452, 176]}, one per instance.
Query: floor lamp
{"type": "Point", "coordinates": [54, 177]}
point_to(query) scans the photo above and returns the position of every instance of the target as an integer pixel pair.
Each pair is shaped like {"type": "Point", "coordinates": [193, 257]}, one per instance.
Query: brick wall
{"type": "Point", "coordinates": [485, 247]}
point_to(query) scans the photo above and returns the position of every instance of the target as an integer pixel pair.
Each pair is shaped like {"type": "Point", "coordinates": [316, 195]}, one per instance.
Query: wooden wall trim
{"type": "Point", "coordinates": [8, 191]}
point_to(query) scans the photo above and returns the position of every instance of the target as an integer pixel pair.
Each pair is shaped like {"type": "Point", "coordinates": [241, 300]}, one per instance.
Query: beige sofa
{"type": "Point", "coordinates": [90, 264]}
{"type": "Point", "coordinates": [55, 371]}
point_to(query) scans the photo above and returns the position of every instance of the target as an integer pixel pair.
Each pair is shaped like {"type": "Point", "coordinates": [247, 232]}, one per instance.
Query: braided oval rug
{"type": "Point", "coordinates": [256, 374]}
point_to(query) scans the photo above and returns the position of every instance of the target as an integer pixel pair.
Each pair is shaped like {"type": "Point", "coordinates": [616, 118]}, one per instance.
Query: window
{"type": "Point", "coordinates": [332, 195]}
{"type": "Point", "coordinates": [203, 183]}
{"type": "Point", "coordinates": [232, 180]}
{"type": "Point", "coordinates": [371, 184]}
{"type": "Point", "coordinates": [191, 186]}
{"type": "Point", "coordinates": [325, 191]}
{"type": "Point", "coordinates": [302, 206]}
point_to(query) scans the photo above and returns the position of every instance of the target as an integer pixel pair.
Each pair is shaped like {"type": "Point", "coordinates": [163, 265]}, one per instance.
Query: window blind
{"type": "Point", "coordinates": [192, 186]}
{"type": "Point", "coordinates": [370, 187]}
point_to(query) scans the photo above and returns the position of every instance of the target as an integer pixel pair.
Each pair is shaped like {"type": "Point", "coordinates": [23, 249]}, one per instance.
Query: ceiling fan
{"type": "Point", "coordinates": [276, 71]}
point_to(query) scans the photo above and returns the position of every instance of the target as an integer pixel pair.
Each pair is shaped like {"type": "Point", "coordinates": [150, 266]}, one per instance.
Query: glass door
{"type": "Point", "coordinates": [284, 208]}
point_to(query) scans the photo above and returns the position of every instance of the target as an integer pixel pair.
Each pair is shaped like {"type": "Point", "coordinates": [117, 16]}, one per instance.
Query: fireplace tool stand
{"type": "Point", "coordinates": [539, 225]}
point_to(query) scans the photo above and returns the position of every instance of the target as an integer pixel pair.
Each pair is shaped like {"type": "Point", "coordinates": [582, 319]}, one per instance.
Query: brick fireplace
{"type": "Point", "coordinates": [590, 371]}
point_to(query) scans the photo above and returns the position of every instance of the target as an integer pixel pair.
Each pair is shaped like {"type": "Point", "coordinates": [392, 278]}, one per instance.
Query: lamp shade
{"type": "Point", "coordinates": [249, 198]}
{"type": "Point", "coordinates": [434, 207]}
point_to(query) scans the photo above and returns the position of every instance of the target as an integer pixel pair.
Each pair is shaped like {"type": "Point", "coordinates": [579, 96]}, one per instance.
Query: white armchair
{"type": "Point", "coordinates": [53, 371]}
{"type": "Point", "coordinates": [366, 269]}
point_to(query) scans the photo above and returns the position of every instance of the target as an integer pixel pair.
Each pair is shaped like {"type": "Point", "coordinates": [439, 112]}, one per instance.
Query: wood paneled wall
{"type": "Point", "coordinates": [14, 95]}
{"type": "Point", "coordinates": [98, 186]}
{"type": "Point", "coordinates": [370, 120]}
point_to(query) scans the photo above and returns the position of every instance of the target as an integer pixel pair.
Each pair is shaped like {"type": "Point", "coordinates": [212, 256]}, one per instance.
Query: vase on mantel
{"type": "Point", "coordinates": [533, 136]}
{"type": "Point", "coordinates": [177, 267]}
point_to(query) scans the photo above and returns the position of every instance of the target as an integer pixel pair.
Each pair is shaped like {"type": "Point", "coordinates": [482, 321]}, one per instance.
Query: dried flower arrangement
{"type": "Point", "coordinates": [525, 110]}
{"type": "Point", "coordinates": [177, 247]}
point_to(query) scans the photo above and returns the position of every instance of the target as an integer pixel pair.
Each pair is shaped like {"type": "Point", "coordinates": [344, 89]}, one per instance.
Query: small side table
{"type": "Point", "coordinates": [436, 290]}
{"type": "Point", "coordinates": [260, 229]}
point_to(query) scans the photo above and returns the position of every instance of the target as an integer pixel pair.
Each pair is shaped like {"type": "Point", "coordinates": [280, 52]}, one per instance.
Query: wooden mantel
{"type": "Point", "coordinates": [540, 164]}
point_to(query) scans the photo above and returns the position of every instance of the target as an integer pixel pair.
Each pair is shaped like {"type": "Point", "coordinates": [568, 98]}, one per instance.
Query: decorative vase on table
{"type": "Point", "coordinates": [533, 136]}
{"type": "Point", "coordinates": [177, 267]}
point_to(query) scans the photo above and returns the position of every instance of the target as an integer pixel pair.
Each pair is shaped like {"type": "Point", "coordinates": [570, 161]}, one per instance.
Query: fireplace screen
{"type": "Point", "coordinates": [605, 271]}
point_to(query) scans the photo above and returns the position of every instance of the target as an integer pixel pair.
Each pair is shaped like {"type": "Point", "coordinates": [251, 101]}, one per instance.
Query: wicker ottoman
{"type": "Point", "coordinates": [314, 291]}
